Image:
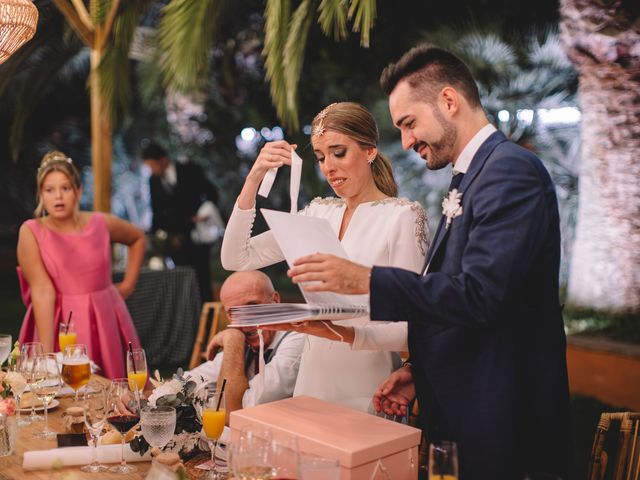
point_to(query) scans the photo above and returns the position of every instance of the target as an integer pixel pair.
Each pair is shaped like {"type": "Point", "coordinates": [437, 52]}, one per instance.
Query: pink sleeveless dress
{"type": "Point", "coordinates": [79, 265]}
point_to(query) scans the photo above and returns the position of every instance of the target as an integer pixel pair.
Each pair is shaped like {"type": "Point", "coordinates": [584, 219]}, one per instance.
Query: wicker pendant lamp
{"type": "Point", "coordinates": [18, 20]}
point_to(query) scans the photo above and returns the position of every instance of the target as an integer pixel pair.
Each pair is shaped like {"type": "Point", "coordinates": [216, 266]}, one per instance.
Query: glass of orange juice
{"type": "Point", "coordinates": [76, 370]}
{"type": "Point", "coordinates": [137, 369]}
{"type": "Point", "coordinates": [213, 417]}
{"type": "Point", "coordinates": [66, 335]}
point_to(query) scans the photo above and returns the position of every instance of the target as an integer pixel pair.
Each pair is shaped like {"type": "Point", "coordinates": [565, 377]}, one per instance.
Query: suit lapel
{"type": "Point", "coordinates": [475, 167]}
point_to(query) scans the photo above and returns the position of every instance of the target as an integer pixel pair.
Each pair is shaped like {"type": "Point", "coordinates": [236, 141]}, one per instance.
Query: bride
{"type": "Point", "coordinates": [342, 361]}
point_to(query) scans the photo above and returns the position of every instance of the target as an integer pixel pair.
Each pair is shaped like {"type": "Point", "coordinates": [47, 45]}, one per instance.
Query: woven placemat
{"type": "Point", "coordinates": [191, 465]}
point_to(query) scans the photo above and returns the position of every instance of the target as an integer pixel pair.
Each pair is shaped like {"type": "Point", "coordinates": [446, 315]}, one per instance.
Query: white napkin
{"type": "Point", "coordinates": [68, 456]}
{"type": "Point", "coordinates": [294, 182]}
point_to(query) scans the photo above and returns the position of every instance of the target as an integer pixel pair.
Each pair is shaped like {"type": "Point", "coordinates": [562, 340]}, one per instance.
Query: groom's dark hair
{"type": "Point", "coordinates": [428, 68]}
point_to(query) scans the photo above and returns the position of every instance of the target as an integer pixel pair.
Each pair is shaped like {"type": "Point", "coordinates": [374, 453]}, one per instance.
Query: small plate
{"type": "Point", "coordinates": [40, 408]}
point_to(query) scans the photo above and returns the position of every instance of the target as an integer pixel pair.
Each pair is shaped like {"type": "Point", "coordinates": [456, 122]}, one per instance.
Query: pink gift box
{"type": "Point", "coordinates": [363, 443]}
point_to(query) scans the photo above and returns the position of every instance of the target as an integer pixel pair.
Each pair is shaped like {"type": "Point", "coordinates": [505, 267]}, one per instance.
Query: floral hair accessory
{"type": "Point", "coordinates": [319, 128]}
{"type": "Point", "coordinates": [54, 159]}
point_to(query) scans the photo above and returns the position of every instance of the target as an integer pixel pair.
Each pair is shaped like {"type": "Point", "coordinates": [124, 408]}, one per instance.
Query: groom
{"type": "Point", "coordinates": [486, 335]}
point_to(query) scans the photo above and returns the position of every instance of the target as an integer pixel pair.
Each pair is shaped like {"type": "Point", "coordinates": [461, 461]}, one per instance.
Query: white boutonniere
{"type": "Point", "coordinates": [451, 207]}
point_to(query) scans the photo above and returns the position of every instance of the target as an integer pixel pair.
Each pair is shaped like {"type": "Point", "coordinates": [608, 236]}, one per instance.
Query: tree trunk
{"type": "Point", "coordinates": [603, 42]}
{"type": "Point", "coordinates": [101, 132]}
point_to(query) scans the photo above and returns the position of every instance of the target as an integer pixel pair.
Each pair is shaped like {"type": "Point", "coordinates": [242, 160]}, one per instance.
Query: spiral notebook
{"type": "Point", "coordinates": [299, 235]}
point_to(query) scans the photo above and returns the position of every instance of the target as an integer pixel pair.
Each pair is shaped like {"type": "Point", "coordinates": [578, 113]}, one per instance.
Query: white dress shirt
{"type": "Point", "coordinates": [463, 161]}
{"type": "Point", "coordinates": [279, 374]}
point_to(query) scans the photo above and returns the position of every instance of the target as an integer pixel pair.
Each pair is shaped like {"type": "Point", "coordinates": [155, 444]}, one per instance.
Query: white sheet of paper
{"type": "Point", "coordinates": [299, 235]}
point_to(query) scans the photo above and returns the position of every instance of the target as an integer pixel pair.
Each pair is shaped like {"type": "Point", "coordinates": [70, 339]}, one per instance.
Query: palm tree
{"type": "Point", "coordinates": [602, 39]}
{"type": "Point", "coordinates": [188, 27]}
{"type": "Point", "coordinates": [107, 28]}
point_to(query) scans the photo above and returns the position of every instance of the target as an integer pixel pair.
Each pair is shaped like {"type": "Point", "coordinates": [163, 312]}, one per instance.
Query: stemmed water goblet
{"type": "Point", "coordinates": [5, 347]}
{"type": "Point", "coordinates": [95, 415]}
{"type": "Point", "coordinates": [46, 384]}
{"type": "Point", "coordinates": [123, 413]}
{"type": "Point", "coordinates": [158, 425]}
{"type": "Point", "coordinates": [28, 351]}
{"type": "Point", "coordinates": [76, 370]}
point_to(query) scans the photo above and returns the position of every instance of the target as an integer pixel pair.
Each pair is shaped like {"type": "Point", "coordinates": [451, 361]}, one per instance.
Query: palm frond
{"type": "Point", "coordinates": [36, 83]}
{"type": "Point", "coordinates": [186, 32]}
{"type": "Point", "coordinates": [277, 14]}
{"type": "Point", "coordinates": [114, 69]}
{"type": "Point", "coordinates": [332, 17]}
{"type": "Point", "coordinates": [294, 57]}
{"type": "Point", "coordinates": [365, 17]}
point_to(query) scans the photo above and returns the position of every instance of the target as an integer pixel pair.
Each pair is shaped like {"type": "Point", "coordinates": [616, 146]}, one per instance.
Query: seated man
{"type": "Point", "coordinates": [239, 364]}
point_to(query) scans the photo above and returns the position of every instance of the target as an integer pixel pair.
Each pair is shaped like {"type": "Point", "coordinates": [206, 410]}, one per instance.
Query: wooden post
{"type": "Point", "coordinates": [101, 132]}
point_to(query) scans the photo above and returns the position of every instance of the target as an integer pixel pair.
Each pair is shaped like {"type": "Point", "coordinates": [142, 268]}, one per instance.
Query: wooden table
{"type": "Point", "coordinates": [11, 466]}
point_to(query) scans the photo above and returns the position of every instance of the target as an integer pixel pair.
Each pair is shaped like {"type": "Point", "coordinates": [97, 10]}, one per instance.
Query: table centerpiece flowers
{"type": "Point", "coordinates": [9, 382]}
{"type": "Point", "coordinates": [187, 395]}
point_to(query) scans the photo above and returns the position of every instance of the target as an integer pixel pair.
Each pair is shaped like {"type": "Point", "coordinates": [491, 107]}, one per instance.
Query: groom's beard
{"type": "Point", "coordinates": [440, 151]}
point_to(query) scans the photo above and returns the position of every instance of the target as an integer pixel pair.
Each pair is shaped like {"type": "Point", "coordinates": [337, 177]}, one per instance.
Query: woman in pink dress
{"type": "Point", "coordinates": [65, 266]}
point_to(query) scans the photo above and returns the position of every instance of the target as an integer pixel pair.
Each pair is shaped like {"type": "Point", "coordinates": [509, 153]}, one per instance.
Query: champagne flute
{"type": "Point", "coordinates": [28, 351]}
{"type": "Point", "coordinates": [46, 384]}
{"type": "Point", "coordinates": [5, 347]}
{"type": "Point", "coordinates": [137, 370]}
{"type": "Point", "coordinates": [123, 413]}
{"type": "Point", "coordinates": [213, 418]}
{"type": "Point", "coordinates": [76, 370]}
{"type": "Point", "coordinates": [66, 334]}
{"type": "Point", "coordinates": [95, 415]}
{"type": "Point", "coordinates": [443, 460]}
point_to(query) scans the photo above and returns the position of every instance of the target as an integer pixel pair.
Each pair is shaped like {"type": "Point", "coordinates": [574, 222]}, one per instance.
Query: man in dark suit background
{"type": "Point", "coordinates": [486, 336]}
{"type": "Point", "coordinates": [178, 190]}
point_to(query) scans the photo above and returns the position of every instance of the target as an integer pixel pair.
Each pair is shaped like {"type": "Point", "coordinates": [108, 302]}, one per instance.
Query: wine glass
{"type": "Point", "coordinates": [123, 413]}
{"type": "Point", "coordinates": [249, 452]}
{"type": "Point", "coordinates": [66, 335]}
{"type": "Point", "coordinates": [443, 460]}
{"type": "Point", "coordinates": [137, 370]}
{"type": "Point", "coordinates": [5, 347]}
{"type": "Point", "coordinates": [29, 351]}
{"type": "Point", "coordinates": [76, 370]}
{"type": "Point", "coordinates": [158, 425]}
{"type": "Point", "coordinates": [213, 418]}
{"type": "Point", "coordinates": [46, 384]}
{"type": "Point", "coordinates": [283, 457]}
{"type": "Point", "coordinates": [95, 415]}
{"type": "Point", "coordinates": [18, 389]}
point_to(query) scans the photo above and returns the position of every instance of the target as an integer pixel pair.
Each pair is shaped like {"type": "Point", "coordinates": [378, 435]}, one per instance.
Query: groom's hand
{"type": "Point", "coordinates": [333, 274]}
{"type": "Point", "coordinates": [394, 395]}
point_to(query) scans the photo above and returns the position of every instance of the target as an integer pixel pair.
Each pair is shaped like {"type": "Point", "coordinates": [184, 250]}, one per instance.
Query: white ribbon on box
{"type": "Point", "coordinates": [69, 456]}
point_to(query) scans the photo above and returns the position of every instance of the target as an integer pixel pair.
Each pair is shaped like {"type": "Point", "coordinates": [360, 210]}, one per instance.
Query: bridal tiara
{"type": "Point", "coordinates": [319, 127]}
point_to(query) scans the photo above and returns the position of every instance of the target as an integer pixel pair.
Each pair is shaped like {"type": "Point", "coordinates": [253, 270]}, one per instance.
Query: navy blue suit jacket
{"type": "Point", "coordinates": [486, 335]}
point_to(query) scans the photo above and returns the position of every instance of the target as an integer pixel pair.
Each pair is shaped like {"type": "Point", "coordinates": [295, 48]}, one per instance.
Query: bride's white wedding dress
{"type": "Point", "coordinates": [389, 232]}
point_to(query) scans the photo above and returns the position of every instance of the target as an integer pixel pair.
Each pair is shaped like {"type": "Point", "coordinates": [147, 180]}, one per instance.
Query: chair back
{"type": "Point", "coordinates": [213, 318]}
{"type": "Point", "coordinates": [615, 453]}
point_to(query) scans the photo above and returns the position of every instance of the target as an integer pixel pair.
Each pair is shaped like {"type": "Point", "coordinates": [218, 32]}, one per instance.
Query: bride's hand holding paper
{"type": "Point", "coordinates": [330, 274]}
{"type": "Point", "coordinates": [263, 171]}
